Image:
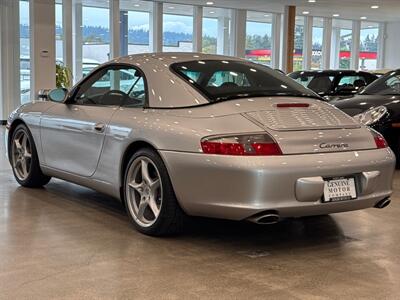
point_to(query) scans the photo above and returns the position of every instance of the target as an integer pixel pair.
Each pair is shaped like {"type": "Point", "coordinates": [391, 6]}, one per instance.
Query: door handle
{"type": "Point", "coordinates": [99, 127]}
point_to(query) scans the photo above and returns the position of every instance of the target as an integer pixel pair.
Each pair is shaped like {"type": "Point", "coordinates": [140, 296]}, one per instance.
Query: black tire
{"type": "Point", "coordinates": [35, 177]}
{"type": "Point", "coordinates": [171, 217]}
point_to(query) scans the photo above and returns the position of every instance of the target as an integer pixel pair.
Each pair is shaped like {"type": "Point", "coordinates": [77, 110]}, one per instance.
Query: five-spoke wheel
{"type": "Point", "coordinates": [149, 197]}
{"type": "Point", "coordinates": [24, 159]}
{"type": "Point", "coordinates": [21, 155]}
{"type": "Point", "coordinates": [145, 195]}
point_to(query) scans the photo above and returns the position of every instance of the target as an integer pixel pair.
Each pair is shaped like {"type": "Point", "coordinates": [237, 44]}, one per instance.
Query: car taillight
{"type": "Point", "coordinates": [258, 144]}
{"type": "Point", "coordinates": [380, 141]}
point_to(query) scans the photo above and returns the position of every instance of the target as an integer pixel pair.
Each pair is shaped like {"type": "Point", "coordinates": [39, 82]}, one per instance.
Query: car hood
{"type": "Point", "coordinates": [361, 103]}
{"type": "Point", "coordinates": [266, 113]}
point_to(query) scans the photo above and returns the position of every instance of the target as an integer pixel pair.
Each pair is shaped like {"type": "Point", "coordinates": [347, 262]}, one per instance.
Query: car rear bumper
{"type": "Point", "coordinates": [234, 187]}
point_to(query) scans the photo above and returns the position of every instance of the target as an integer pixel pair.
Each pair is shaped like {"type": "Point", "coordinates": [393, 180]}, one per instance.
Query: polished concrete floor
{"type": "Point", "coordinates": [69, 242]}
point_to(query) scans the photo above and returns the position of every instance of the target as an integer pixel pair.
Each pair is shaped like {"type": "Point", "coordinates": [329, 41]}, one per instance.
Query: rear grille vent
{"type": "Point", "coordinates": [314, 117]}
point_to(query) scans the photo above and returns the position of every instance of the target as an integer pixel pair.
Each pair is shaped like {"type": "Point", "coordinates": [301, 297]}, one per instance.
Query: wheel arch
{"type": "Point", "coordinates": [128, 153]}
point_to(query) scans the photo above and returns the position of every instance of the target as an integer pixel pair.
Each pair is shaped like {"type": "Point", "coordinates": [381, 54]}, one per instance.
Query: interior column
{"type": "Point", "coordinates": [43, 46]}
{"type": "Point", "coordinates": [289, 20]}
{"type": "Point", "coordinates": [156, 27]}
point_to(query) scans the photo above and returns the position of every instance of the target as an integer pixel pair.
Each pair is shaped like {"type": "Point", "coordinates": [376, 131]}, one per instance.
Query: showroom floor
{"type": "Point", "coordinates": [65, 241]}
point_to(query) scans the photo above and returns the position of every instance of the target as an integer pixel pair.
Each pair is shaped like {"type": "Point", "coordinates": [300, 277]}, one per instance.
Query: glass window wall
{"type": "Point", "coordinates": [298, 57]}
{"type": "Point", "coordinates": [216, 30]}
{"type": "Point", "coordinates": [177, 28]}
{"type": "Point", "coordinates": [59, 32]}
{"type": "Point", "coordinates": [342, 40]}
{"type": "Point", "coordinates": [25, 62]}
{"type": "Point", "coordinates": [135, 26]}
{"type": "Point", "coordinates": [259, 37]}
{"type": "Point", "coordinates": [369, 39]}
{"type": "Point", "coordinates": [95, 34]}
{"type": "Point", "coordinates": [317, 40]}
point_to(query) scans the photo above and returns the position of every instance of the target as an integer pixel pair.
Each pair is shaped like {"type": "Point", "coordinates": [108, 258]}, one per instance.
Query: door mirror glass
{"type": "Point", "coordinates": [58, 95]}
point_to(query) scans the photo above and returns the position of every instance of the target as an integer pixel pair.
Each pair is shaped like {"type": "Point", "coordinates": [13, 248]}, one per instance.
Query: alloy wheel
{"type": "Point", "coordinates": [144, 191]}
{"type": "Point", "coordinates": [21, 155]}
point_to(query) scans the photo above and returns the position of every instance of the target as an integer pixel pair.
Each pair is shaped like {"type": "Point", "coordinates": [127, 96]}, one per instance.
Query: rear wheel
{"type": "Point", "coordinates": [24, 159]}
{"type": "Point", "coordinates": [150, 200]}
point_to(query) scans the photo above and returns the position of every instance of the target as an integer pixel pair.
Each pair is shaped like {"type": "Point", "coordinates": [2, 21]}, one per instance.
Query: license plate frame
{"type": "Point", "coordinates": [345, 189]}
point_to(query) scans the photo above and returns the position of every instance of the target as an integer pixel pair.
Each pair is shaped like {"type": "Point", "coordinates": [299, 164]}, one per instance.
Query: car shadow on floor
{"type": "Point", "coordinates": [288, 234]}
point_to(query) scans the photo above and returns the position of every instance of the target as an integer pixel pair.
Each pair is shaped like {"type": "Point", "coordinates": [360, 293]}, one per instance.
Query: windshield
{"type": "Point", "coordinates": [221, 80]}
{"type": "Point", "coordinates": [388, 84]}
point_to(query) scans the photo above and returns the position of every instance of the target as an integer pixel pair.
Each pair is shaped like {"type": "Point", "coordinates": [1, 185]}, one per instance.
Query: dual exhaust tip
{"type": "Point", "coordinates": [272, 217]}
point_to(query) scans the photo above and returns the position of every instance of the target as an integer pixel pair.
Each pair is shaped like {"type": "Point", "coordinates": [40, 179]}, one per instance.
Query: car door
{"type": "Point", "coordinates": [73, 132]}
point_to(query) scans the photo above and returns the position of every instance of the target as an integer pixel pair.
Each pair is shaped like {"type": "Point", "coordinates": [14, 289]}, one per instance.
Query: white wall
{"type": "Point", "coordinates": [392, 46]}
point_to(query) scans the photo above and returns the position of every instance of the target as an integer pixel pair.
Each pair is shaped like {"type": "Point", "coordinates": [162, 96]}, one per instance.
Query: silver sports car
{"type": "Point", "coordinates": [173, 134]}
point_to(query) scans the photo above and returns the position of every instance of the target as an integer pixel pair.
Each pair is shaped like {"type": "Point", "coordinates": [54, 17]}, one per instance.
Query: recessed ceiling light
{"type": "Point", "coordinates": [136, 5]}
{"type": "Point", "coordinates": [312, 1]}
{"type": "Point", "coordinates": [306, 12]}
{"type": "Point", "coordinates": [335, 15]}
{"type": "Point", "coordinates": [210, 3]}
{"type": "Point", "coordinates": [171, 7]}
{"type": "Point", "coordinates": [375, 6]}
{"type": "Point", "coordinates": [212, 12]}
{"type": "Point", "coordinates": [363, 18]}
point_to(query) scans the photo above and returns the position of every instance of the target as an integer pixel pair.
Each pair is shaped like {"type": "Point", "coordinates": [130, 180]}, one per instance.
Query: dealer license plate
{"type": "Point", "coordinates": [339, 189]}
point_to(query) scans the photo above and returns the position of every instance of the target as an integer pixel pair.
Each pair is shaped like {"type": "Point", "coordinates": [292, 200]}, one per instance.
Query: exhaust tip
{"type": "Point", "coordinates": [383, 203]}
{"type": "Point", "coordinates": [265, 218]}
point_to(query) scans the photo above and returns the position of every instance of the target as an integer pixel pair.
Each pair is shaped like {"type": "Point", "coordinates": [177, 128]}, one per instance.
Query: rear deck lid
{"type": "Point", "coordinates": [298, 115]}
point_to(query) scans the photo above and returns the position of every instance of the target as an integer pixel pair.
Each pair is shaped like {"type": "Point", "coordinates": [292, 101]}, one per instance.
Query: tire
{"type": "Point", "coordinates": [152, 207]}
{"type": "Point", "coordinates": [23, 152]}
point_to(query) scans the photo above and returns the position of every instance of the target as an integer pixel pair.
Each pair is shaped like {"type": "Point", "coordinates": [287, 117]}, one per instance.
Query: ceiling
{"type": "Point", "coordinates": [389, 10]}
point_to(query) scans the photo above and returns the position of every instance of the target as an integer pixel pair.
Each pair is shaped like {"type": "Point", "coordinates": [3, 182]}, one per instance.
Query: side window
{"type": "Point", "coordinates": [116, 85]}
{"type": "Point", "coordinates": [192, 75]}
{"type": "Point", "coordinates": [304, 80]}
{"type": "Point", "coordinates": [394, 83]}
{"type": "Point", "coordinates": [228, 78]}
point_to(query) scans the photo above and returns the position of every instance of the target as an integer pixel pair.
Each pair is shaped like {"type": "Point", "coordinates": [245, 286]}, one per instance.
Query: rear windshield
{"type": "Point", "coordinates": [221, 80]}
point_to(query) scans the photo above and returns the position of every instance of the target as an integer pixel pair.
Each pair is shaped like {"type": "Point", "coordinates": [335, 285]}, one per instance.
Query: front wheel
{"type": "Point", "coordinates": [24, 159]}
{"type": "Point", "coordinates": [149, 197]}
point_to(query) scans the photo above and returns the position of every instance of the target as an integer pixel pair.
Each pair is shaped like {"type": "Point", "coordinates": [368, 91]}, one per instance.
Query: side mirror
{"type": "Point", "coordinates": [58, 95]}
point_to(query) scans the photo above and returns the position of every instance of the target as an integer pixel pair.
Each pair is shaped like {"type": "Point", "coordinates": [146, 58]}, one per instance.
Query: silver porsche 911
{"type": "Point", "coordinates": [172, 135]}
